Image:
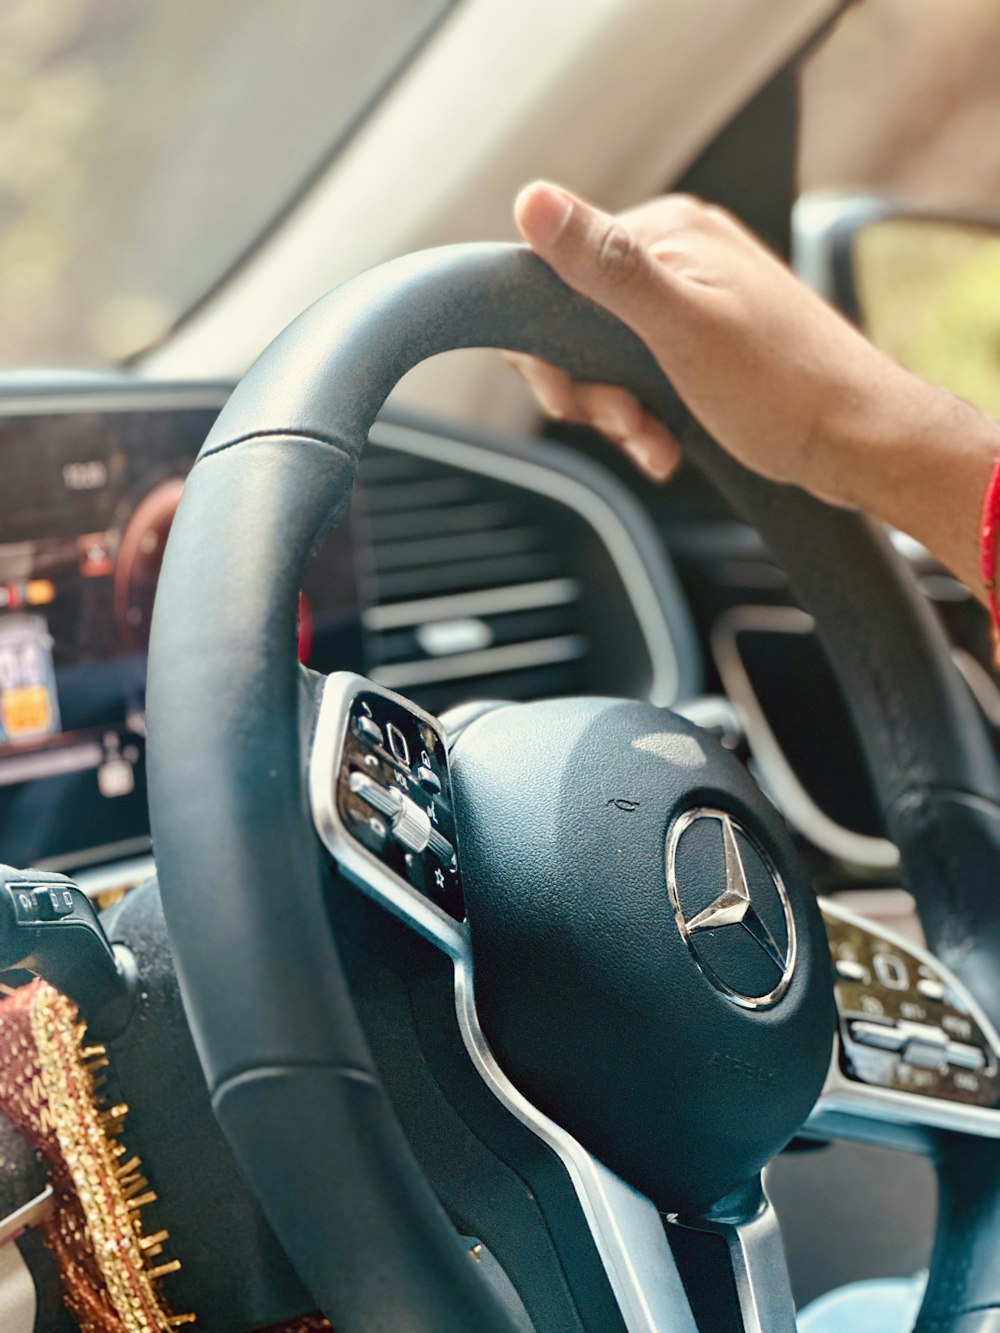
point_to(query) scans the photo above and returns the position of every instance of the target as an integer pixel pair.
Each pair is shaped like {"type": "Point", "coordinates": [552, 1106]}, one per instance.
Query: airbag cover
{"type": "Point", "coordinates": [681, 1032]}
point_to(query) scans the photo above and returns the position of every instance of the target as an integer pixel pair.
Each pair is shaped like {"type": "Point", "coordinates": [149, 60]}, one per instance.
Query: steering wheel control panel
{"type": "Point", "coordinates": [392, 799]}
{"type": "Point", "coordinates": [49, 927]}
{"type": "Point", "coordinates": [905, 1022]}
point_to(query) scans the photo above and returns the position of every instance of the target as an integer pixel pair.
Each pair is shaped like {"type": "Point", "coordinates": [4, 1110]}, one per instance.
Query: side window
{"type": "Point", "coordinates": [903, 98]}
{"type": "Point", "coordinates": [145, 147]}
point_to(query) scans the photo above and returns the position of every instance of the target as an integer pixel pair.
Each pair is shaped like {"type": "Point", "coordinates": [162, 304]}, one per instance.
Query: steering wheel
{"type": "Point", "coordinates": [641, 972]}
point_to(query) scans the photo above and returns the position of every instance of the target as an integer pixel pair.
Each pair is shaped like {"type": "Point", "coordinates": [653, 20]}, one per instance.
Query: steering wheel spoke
{"type": "Point", "coordinates": [748, 1226]}
{"type": "Point", "coordinates": [914, 1053]}
{"type": "Point", "coordinates": [674, 903]}
{"type": "Point", "coordinates": [380, 793]}
{"type": "Point", "coordinates": [365, 740]}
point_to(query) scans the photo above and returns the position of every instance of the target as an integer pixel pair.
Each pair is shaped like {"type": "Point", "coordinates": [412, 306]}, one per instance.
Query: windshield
{"type": "Point", "coordinates": [145, 147]}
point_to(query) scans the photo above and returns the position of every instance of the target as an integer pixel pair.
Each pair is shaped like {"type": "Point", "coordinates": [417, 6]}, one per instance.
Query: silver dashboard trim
{"type": "Point", "coordinates": [776, 774]}
{"type": "Point", "coordinates": [980, 682]}
{"type": "Point", "coordinates": [627, 1229]}
{"type": "Point", "coordinates": [54, 763]}
{"type": "Point", "coordinates": [488, 601]}
{"type": "Point", "coordinates": [482, 661]}
{"type": "Point", "coordinates": [848, 1109]}
{"type": "Point", "coordinates": [593, 508]}
{"type": "Point", "coordinates": [103, 396]}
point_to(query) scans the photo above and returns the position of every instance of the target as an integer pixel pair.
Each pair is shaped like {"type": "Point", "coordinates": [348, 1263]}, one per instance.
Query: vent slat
{"type": "Point", "coordinates": [481, 587]}
{"type": "Point", "coordinates": [541, 683]}
{"type": "Point", "coordinates": [419, 494]}
{"type": "Point", "coordinates": [450, 518]}
{"type": "Point", "coordinates": [488, 602]}
{"type": "Point", "coordinates": [485, 662]}
{"type": "Point", "coordinates": [457, 547]}
{"type": "Point", "coordinates": [468, 575]}
{"type": "Point", "coordinates": [408, 643]}
{"type": "Point", "coordinates": [380, 466]}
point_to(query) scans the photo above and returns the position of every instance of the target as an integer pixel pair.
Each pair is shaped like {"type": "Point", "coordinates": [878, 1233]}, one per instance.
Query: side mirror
{"type": "Point", "coordinates": [924, 288]}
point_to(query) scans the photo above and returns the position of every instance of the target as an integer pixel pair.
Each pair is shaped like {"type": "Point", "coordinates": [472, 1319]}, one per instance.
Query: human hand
{"type": "Point", "coordinates": [768, 368]}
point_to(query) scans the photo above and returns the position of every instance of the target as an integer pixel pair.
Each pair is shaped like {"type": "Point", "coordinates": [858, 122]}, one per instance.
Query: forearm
{"type": "Point", "coordinates": [922, 464]}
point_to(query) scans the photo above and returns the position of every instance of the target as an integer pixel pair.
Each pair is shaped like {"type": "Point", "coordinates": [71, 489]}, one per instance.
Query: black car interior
{"type": "Point", "coordinates": [416, 740]}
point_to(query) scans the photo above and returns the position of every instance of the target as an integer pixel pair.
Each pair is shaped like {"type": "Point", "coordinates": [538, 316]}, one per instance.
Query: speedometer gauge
{"type": "Point", "coordinates": [140, 556]}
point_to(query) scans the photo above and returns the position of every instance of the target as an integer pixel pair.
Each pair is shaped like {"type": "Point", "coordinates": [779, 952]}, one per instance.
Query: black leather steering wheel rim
{"type": "Point", "coordinates": [241, 876]}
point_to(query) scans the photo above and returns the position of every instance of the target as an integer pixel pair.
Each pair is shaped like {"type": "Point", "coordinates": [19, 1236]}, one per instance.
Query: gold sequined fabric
{"type": "Point", "coordinates": [111, 1270]}
{"type": "Point", "coordinates": [50, 1090]}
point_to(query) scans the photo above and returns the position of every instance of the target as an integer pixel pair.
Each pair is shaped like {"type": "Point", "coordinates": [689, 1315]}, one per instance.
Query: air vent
{"type": "Point", "coordinates": [485, 576]}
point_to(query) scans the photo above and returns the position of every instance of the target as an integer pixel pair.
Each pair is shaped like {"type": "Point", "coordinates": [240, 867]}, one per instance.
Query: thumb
{"type": "Point", "coordinates": [593, 252]}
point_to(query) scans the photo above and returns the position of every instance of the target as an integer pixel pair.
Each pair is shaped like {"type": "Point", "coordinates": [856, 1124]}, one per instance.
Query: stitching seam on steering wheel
{"type": "Point", "coordinates": [290, 433]}
{"type": "Point", "coordinates": [254, 1071]}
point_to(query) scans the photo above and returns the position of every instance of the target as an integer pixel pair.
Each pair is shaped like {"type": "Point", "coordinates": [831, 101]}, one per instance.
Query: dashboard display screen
{"type": "Point", "coordinates": [86, 503]}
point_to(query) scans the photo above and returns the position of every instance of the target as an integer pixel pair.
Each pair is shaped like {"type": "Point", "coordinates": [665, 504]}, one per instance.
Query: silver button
{"type": "Point", "coordinates": [963, 1056]}
{"type": "Point", "coordinates": [925, 1045]}
{"type": "Point", "coordinates": [411, 826]}
{"type": "Point", "coordinates": [370, 729]}
{"type": "Point", "coordinates": [850, 970]}
{"type": "Point", "coordinates": [891, 971]}
{"type": "Point", "coordinates": [931, 989]}
{"type": "Point", "coordinates": [927, 1032]}
{"type": "Point", "coordinates": [386, 800]}
{"type": "Point", "coordinates": [922, 1056]}
{"type": "Point", "coordinates": [441, 847]}
{"type": "Point", "coordinates": [880, 1035]}
{"type": "Point", "coordinates": [429, 780]}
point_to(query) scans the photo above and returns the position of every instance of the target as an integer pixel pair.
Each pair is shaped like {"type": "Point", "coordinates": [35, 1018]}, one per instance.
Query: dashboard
{"type": "Point", "coordinates": [470, 567]}
{"type": "Point", "coordinates": [467, 568]}
{"type": "Point", "coordinates": [86, 509]}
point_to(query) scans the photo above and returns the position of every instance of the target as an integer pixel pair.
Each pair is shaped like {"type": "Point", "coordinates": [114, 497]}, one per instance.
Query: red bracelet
{"type": "Point", "coordinates": [989, 530]}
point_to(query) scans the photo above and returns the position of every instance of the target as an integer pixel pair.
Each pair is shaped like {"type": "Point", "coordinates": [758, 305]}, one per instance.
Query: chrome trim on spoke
{"type": "Point", "coordinates": [627, 1229]}
{"type": "Point", "coordinates": [749, 1226]}
{"type": "Point", "coordinates": [848, 1109]}
{"type": "Point", "coordinates": [776, 775]}
{"type": "Point", "coordinates": [866, 1114]}
{"type": "Point", "coordinates": [359, 865]}
{"type": "Point", "coordinates": [714, 712]}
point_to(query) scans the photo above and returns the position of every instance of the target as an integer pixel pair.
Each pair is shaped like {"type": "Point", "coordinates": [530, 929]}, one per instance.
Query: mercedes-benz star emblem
{"type": "Point", "coordinates": [753, 900]}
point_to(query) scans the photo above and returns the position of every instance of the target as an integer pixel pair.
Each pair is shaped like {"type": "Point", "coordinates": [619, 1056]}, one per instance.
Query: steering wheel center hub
{"type": "Point", "coordinates": [651, 968]}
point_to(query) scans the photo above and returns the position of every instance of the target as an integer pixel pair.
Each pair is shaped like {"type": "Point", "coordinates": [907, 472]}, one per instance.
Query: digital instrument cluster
{"type": "Point", "coordinates": [86, 506]}
{"type": "Point", "coordinates": [470, 567]}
